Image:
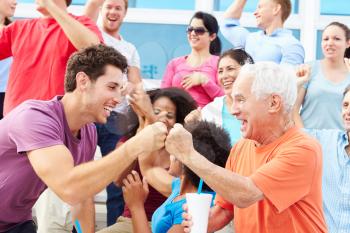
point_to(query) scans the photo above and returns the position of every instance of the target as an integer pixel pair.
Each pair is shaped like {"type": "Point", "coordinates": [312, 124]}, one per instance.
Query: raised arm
{"type": "Point", "coordinates": [78, 34]}
{"type": "Point", "coordinates": [55, 165]}
{"type": "Point", "coordinates": [303, 74]}
{"type": "Point", "coordinates": [92, 8]}
{"type": "Point", "coordinates": [234, 11]}
{"type": "Point", "coordinates": [157, 176]}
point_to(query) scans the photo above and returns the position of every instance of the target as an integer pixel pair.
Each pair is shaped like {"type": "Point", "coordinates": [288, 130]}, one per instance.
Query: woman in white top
{"type": "Point", "coordinates": [218, 111]}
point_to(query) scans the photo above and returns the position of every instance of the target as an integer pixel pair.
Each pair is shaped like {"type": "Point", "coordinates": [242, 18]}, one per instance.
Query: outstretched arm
{"type": "Point", "coordinates": [78, 34]}
{"type": "Point", "coordinates": [74, 184]}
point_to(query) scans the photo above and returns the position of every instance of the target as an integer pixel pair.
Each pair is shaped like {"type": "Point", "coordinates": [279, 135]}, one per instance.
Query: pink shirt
{"type": "Point", "coordinates": [202, 94]}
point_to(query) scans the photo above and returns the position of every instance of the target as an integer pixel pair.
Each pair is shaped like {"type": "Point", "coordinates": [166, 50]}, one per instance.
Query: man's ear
{"type": "Point", "coordinates": [82, 80]}
{"type": "Point", "coordinates": [275, 103]}
{"type": "Point", "coordinates": [277, 9]}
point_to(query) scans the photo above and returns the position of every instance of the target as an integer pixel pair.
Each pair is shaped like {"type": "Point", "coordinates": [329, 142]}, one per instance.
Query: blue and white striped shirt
{"type": "Point", "coordinates": [335, 179]}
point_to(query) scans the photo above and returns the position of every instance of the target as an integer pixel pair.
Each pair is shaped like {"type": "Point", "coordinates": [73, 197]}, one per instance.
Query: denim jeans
{"type": "Point", "coordinates": [107, 140]}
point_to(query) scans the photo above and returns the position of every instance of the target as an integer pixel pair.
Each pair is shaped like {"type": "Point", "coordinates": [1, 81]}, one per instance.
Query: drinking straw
{"type": "Point", "coordinates": [77, 225]}
{"type": "Point", "coordinates": [200, 185]}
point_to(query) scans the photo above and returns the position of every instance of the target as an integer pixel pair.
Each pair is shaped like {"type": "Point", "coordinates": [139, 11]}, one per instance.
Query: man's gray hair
{"type": "Point", "coordinates": [271, 78]}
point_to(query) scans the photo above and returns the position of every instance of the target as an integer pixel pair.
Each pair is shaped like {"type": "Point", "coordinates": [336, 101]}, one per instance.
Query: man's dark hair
{"type": "Point", "coordinates": [68, 2]}
{"type": "Point", "coordinates": [92, 61]}
{"type": "Point", "coordinates": [212, 142]}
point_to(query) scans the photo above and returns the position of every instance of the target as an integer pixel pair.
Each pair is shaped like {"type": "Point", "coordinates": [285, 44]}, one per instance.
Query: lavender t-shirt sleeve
{"type": "Point", "coordinates": [35, 129]}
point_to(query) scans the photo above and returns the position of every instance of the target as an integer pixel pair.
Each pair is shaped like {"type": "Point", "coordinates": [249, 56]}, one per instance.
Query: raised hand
{"type": "Point", "coordinates": [194, 79]}
{"type": "Point", "coordinates": [135, 190]}
{"type": "Point", "coordinates": [303, 74]}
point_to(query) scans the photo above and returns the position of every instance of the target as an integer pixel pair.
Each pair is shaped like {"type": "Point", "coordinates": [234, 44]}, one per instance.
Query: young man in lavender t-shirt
{"type": "Point", "coordinates": [49, 143]}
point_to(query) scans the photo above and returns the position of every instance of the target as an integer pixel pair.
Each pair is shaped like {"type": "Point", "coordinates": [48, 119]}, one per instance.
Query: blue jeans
{"type": "Point", "coordinates": [107, 140]}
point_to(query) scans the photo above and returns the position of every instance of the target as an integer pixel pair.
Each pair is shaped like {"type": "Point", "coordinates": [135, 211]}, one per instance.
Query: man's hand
{"type": "Point", "coordinates": [179, 143]}
{"type": "Point", "coordinates": [194, 79]}
{"type": "Point", "coordinates": [303, 73]}
{"type": "Point", "coordinates": [151, 138]}
{"type": "Point", "coordinates": [135, 190]}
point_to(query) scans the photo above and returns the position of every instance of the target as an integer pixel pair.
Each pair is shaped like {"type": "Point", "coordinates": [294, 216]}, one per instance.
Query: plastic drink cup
{"type": "Point", "coordinates": [198, 208]}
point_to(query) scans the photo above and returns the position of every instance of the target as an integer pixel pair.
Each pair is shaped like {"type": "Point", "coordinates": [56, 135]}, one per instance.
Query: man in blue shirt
{"type": "Point", "coordinates": [272, 42]}
{"type": "Point", "coordinates": [336, 171]}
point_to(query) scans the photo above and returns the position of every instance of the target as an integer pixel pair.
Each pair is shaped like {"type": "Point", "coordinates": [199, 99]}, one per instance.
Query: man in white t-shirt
{"type": "Point", "coordinates": [112, 14]}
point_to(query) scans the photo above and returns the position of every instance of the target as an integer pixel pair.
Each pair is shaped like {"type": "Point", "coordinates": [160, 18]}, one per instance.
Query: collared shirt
{"type": "Point", "coordinates": [280, 47]}
{"type": "Point", "coordinates": [336, 178]}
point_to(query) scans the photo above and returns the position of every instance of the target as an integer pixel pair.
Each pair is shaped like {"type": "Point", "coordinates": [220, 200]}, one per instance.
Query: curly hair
{"type": "Point", "coordinates": [211, 141]}
{"type": "Point", "coordinates": [92, 61]}
{"type": "Point", "coordinates": [182, 100]}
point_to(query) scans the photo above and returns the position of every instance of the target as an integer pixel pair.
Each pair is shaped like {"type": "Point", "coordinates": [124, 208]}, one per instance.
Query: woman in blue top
{"type": "Point", "coordinates": [7, 10]}
{"type": "Point", "coordinates": [320, 99]}
{"type": "Point", "coordinates": [209, 140]}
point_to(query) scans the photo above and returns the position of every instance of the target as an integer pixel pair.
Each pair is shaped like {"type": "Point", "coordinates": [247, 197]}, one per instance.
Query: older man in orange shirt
{"type": "Point", "coordinates": [272, 181]}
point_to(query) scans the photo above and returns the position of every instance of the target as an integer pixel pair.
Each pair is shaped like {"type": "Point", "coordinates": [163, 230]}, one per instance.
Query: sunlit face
{"type": "Point", "coordinates": [7, 8]}
{"type": "Point", "coordinates": [101, 96]}
{"type": "Point", "coordinates": [264, 13]}
{"type": "Point", "coordinates": [334, 42]}
{"type": "Point", "coordinates": [346, 111]}
{"type": "Point", "coordinates": [199, 41]}
{"type": "Point", "coordinates": [227, 73]}
{"type": "Point", "coordinates": [113, 13]}
{"type": "Point", "coordinates": [165, 111]}
{"type": "Point", "coordinates": [252, 112]}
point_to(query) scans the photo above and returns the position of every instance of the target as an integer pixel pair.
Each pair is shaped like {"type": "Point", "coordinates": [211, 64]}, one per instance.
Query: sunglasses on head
{"type": "Point", "coordinates": [198, 31]}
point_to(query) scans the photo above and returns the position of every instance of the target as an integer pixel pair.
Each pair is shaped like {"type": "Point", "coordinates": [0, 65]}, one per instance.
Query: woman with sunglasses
{"type": "Point", "coordinates": [7, 10]}
{"type": "Point", "coordinates": [197, 72]}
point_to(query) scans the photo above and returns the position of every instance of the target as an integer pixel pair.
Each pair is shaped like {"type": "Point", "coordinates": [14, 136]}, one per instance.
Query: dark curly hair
{"type": "Point", "coordinates": [92, 61]}
{"type": "Point", "coordinates": [212, 142]}
{"type": "Point", "coordinates": [183, 101]}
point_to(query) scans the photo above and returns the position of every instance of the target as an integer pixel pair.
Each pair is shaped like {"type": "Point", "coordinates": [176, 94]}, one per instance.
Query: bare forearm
{"type": "Point", "coordinates": [156, 176]}
{"type": "Point", "coordinates": [91, 9]}
{"type": "Point", "coordinates": [139, 221]}
{"type": "Point", "coordinates": [134, 75]}
{"type": "Point", "coordinates": [237, 189]}
{"type": "Point", "coordinates": [234, 11]}
{"type": "Point", "coordinates": [85, 214]}
{"type": "Point", "coordinates": [78, 34]}
{"type": "Point", "coordinates": [87, 179]}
